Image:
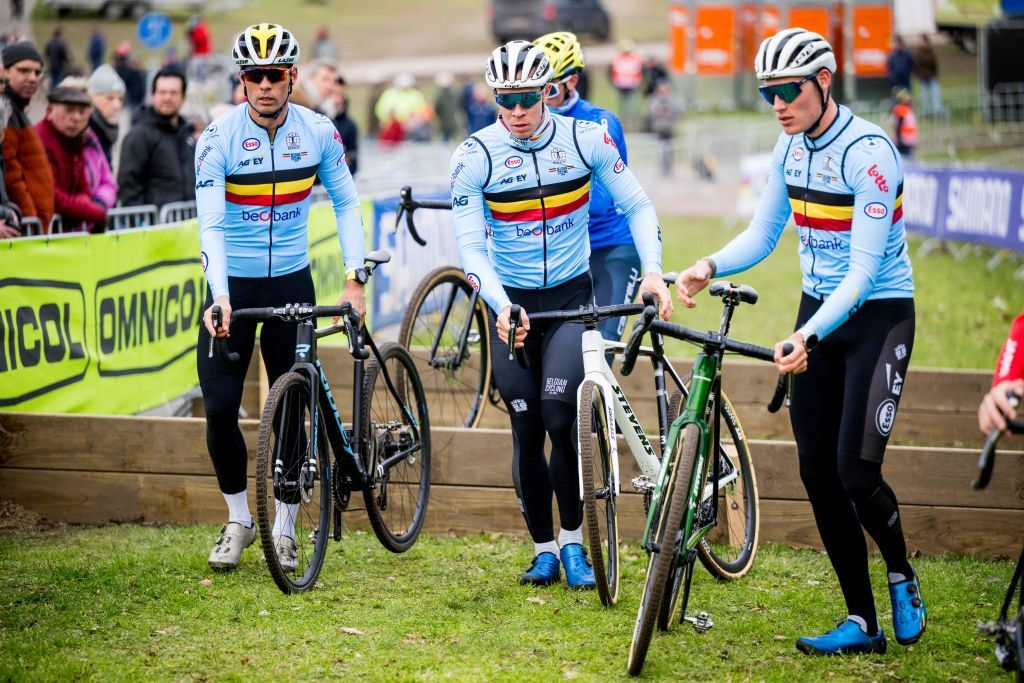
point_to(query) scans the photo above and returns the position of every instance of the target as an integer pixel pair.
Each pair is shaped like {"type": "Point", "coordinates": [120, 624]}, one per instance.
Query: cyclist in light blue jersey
{"type": "Point", "coordinates": [841, 179]}
{"type": "Point", "coordinates": [614, 263]}
{"type": "Point", "coordinates": [520, 194]}
{"type": "Point", "coordinates": [255, 167]}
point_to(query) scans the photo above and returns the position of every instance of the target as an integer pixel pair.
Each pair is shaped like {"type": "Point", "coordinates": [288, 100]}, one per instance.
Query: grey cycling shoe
{"type": "Point", "coordinates": [287, 553]}
{"type": "Point", "coordinates": [234, 538]}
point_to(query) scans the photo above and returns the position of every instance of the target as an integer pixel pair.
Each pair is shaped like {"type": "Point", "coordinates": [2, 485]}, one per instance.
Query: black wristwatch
{"type": "Point", "coordinates": [360, 275]}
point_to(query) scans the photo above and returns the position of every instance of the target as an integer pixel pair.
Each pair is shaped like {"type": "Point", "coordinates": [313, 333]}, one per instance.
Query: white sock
{"type": "Point", "coordinates": [896, 577]}
{"type": "Point", "coordinates": [284, 519]}
{"type": "Point", "coordinates": [238, 508]}
{"type": "Point", "coordinates": [859, 621]}
{"type": "Point", "coordinates": [549, 547]}
{"type": "Point", "coordinates": [565, 537]}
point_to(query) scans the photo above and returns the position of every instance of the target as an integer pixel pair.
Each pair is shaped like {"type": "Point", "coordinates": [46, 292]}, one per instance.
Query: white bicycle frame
{"type": "Point", "coordinates": [619, 412]}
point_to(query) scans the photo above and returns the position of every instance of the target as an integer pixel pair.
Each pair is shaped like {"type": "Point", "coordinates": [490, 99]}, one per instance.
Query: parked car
{"type": "Point", "coordinates": [117, 9]}
{"type": "Point", "coordinates": [528, 19]}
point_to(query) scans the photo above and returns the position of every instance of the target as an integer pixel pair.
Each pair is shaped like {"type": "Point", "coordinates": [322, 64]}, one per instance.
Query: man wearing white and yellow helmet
{"type": "Point", "coordinates": [614, 262]}
{"type": "Point", "coordinates": [255, 167]}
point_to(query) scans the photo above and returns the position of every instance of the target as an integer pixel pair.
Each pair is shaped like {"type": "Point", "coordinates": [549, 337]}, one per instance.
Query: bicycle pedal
{"type": "Point", "coordinates": [701, 623]}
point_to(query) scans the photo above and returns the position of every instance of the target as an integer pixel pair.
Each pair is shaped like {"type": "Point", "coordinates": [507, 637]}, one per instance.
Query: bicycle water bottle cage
{"type": "Point", "coordinates": [734, 293]}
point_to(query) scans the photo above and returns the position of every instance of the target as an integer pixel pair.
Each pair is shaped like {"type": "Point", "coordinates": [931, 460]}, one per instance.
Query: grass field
{"type": "Point", "coordinates": [139, 603]}
{"type": "Point", "coordinates": [963, 310]}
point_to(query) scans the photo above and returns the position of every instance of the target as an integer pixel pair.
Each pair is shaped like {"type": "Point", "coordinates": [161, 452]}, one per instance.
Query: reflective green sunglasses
{"type": "Point", "coordinates": [509, 100]}
{"type": "Point", "coordinates": [787, 91]}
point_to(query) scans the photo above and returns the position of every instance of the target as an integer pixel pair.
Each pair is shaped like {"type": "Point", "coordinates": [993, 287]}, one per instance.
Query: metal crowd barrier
{"type": "Point", "coordinates": [124, 217]}
{"type": "Point", "coordinates": [176, 212]}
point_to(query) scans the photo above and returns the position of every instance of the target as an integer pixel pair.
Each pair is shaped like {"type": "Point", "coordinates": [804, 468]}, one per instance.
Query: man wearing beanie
{"type": "Point", "coordinates": [28, 177]}
{"type": "Point", "coordinates": [157, 154]}
{"type": "Point", "coordinates": [107, 91]}
{"type": "Point", "coordinates": [63, 133]}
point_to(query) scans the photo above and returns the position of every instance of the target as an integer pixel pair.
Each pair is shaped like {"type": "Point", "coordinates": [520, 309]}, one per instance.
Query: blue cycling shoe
{"type": "Point", "coordinates": [579, 572]}
{"type": "Point", "coordinates": [845, 639]}
{"type": "Point", "coordinates": [909, 615]}
{"type": "Point", "coordinates": [543, 571]}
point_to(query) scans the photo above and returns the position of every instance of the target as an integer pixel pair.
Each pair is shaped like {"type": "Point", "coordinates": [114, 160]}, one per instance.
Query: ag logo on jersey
{"type": "Point", "coordinates": [620, 165]}
{"type": "Point", "coordinates": [798, 154]}
{"type": "Point", "coordinates": [876, 210]}
{"type": "Point", "coordinates": [250, 144]}
{"type": "Point", "coordinates": [474, 281]}
{"type": "Point", "coordinates": [514, 162]}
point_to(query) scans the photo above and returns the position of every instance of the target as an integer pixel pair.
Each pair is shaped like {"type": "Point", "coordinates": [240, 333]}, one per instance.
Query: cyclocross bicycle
{"type": "Point", "coordinates": [1008, 631]}
{"type": "Point", "coordinates": [385, 453]}
{"type": "Point", "coordinates": [686, 502]}
{"type": "Point", "coordinates": [445, 329]}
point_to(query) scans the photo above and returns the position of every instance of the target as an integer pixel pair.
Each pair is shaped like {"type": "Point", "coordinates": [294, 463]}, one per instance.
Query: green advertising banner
{"type": "Point", "coordinates": [108, 323]}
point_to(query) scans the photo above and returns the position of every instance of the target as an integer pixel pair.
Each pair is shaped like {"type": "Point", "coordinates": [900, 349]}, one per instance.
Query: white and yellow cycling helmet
{"type": "Point", "coordinates": [564, 51]}
{"type": "Point", "coordinates": [265, 45]}
{"type": "Point", "coordinates": [518, 64]}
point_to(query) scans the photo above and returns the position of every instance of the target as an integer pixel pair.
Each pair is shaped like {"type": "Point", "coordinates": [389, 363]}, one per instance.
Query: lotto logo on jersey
{"type": "Point", "coordinates": [876, 210]}
{"type": "Point", "coordinates": [474, 281]}
{"type": "Point", "coordinates": [620, 165]}
{"type": "Point", "coordinates": [250, 144]}
{"type": "Point", "coordinates": [879, 179]}
{"type": "Point", "coordinates": [514, 162]}
{"type": "Point", "coordinates": [608, 141]}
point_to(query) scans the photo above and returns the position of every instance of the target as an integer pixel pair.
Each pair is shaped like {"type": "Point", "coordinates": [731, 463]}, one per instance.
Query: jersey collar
{"type": "Point", "coordinates": [843, 118]}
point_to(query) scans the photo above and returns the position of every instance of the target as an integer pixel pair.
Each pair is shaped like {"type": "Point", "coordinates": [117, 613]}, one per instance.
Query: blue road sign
{"type": "Point", "coordinates": [154, 30]}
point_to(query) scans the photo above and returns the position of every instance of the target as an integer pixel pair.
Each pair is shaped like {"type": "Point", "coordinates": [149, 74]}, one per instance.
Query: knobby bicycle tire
{"type": "Point", "coordinates": [743, 494]}
{"type": "Point", "coordinates": [458, 392]}
{"type": "Point", "coordinates": [386, 430]}
{"type": "Point", "coordinates": [286, 412]}
{"type": "Point", "coordinates": [604, 554]}
{"type": "Point", "coordinates": [661, 562]}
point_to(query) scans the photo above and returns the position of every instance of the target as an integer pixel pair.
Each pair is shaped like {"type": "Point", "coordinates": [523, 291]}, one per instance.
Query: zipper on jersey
{"type": "Point", "coordinates": [807, 217]}
{"type": "Point", "coordinates": [543, 215]}
{"type": "Point", "coordinates": [273, 200]}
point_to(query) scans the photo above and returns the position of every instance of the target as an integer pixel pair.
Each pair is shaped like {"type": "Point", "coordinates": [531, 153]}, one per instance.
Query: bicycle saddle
{"type": "Point", "coordinates": [739, 293]}
{"type": "Point", "coordinates": [379, 256]}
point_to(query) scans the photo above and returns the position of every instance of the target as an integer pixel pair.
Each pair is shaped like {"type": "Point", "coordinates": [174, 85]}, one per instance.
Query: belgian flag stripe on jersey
{"type": "Point", "coordinates": [828, 210]}
{"type": "Point", "coordinates": [539, 203]}
{"type": "Point", "coordinates": [263, 189]}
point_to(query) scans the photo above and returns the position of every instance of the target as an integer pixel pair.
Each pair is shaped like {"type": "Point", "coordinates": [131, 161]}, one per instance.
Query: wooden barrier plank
{"type": "Point", "coordinates": [98, 497]}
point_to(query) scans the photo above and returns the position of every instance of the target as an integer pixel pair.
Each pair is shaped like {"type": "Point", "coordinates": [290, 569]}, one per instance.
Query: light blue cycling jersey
{"type": "Point", "coordinates": [252, 195]}
{"type": "Point", "coordinates": [608, 226]}
{"type": "Point", "coordinates": [521, 212]}
{"type": "Point", "coordinates": [845, 191]}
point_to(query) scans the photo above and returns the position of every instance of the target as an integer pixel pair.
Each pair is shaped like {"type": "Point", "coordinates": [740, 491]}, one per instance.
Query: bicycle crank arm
{"type": "Point", "coordinates": [701, 623]}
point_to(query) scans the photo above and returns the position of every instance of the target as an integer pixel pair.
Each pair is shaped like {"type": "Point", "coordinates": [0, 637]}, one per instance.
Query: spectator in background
{"type": "Point", "coordinates": [17, 9]}
{"type": "Point", "coordinates": [376, 91]}
{"type": "Point", "coordinates": [480, 111]}
{"type": "Point", "coordinates": [627, 72]}
{"type": "Point", "coordinates": [904, 123]}
{"type": "Point", "coordinates": [347, 128]}
{"type": "Point", "coordinates": [446, 105]}
{"type": "Point", "coordinates": [323, 47]}
{"type": "Point", "coordinates": [995, 408]}
{"type": "Point", "coordinates": [654, 73]}
{"type": "Point", "coordinates": [63, 133]}
{"type": "Point", "coordinates": [107, 91]}
{"type": "Point", "coordinates": [28, 177]}
{"type": "Point", "coordinates": [899, 64]}
{"type": "Point", "coordinates": [403, 111]}
{"type": "Point", "coordinates": [97, 48]}
{"type": "Point", "coordinates": [133, 77]}
{"type": "Point", "coordinates": [320, 82]}
{"type": "Point", "coordinates": [663, 110]}
{"type": "Point", "coordinates": [198, 31]}
{"type": "Point", "coordinates": [10, 214]}
{"type": "Point", "coordinates": [926, 71]}
{"type": "Point", "coordinates": [57, 55]}
{"type": "Point", "coordinates": [157, 154]}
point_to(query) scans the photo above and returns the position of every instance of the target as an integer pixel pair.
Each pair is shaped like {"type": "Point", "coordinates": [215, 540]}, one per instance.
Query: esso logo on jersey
{"type": "Point", "coordinates": [474, 281]}
{"type": "Point", "coordinates": [250, 144]}
{"type": "Point", "coordinates": [514, 162]}
{"type": "Point", "coordinates": [620, 165]}
{"type": "Point", "coordinates": [876, 210]}
{"type": "Point", "coordinates": [798, 154]}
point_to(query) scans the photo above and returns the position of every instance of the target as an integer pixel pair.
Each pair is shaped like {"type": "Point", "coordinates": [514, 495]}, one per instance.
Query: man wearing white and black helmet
{"type": "Point", "coordinates": [520, 198]}
{"type": "Point", "coordinates": [840, 178]}
{"type": "Point", "coordinates": [255, 167]}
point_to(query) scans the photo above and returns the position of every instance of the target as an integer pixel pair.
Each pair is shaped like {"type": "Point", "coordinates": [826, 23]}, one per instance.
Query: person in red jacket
{"type": "Point", "coordinates": [63, 135]}
{"type": "Point", "coordinates": [995, 408]}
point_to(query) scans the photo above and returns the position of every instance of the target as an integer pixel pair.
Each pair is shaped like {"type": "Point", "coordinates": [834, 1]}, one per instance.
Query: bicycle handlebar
{"type": "Point", "coordinates": [407, 205]}
{"type": "Point", "coordinates": [987, 459]}
{"type": "Point", "coordinates": [784, 387]}
{"type": "Point", "coordinates": [640, 327]}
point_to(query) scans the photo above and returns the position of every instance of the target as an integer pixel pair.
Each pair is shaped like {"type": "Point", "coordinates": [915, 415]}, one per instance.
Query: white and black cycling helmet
{"type": "Point", "coordinates": [265, 45]}
{"type": "Point", "coordinates": [518, 64]}
{"type": "Point", "coordinates": [793, 52]}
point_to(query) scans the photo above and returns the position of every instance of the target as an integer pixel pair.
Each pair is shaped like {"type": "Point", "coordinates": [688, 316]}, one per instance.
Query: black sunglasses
{"type": "Point", "coordinates": [787, 91]}
{"type": "Point", "coordinates": [256, 76]}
